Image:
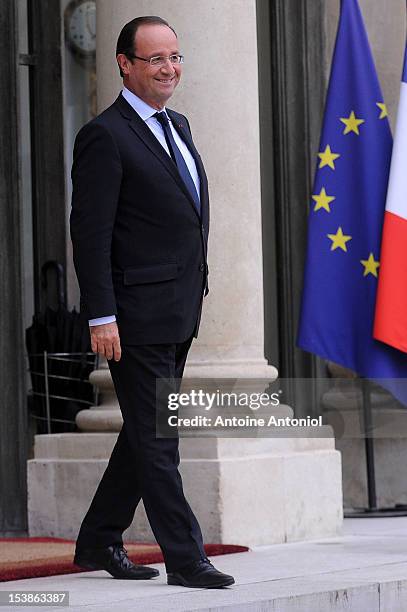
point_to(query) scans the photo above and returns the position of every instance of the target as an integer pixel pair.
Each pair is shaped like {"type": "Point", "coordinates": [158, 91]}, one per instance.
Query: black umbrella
{"type": "Point", "coordinates": [60, 359]}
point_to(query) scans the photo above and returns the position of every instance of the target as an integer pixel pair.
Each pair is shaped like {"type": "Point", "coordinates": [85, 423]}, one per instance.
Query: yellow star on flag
{"type": "Point", "coordinates": [339, 240]}
{"type": "Point", "coordinates": [370, 265]}
{"type": "Point", "coordinates": [352, 123]}
{"type": "Point", "coordinates": [327, 158]}
{"type": "Point", "coordinates": [383, 108]}
{"type": "Point", "coordinates": [322, 200]}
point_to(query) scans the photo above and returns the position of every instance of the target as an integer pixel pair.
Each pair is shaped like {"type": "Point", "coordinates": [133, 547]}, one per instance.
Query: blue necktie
{"type": "Point", "coordinates": [178, 159]}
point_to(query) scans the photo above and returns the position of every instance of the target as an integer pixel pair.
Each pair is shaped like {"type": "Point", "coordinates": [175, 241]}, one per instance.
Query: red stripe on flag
{"type": "Point", "coordinates": [391, 301]}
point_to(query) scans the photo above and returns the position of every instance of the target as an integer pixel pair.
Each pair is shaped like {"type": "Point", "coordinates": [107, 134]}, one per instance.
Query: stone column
{"type": "Point", "coordinates": [219, 94]}
{"type": "Point", "coordinates": [225, 126]}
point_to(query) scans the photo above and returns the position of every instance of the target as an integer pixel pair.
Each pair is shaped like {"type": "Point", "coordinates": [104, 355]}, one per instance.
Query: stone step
{"type": "Point", "coordinates": [352, 573]}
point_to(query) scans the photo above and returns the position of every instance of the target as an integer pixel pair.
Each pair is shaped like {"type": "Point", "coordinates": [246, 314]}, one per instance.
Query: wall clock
{"type": "Point", "coordinates": [80, 29]}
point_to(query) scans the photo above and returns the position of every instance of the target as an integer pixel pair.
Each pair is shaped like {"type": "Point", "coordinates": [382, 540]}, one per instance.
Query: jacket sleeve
{"type": "Point", "coordinates": [206, 291]}
{"type": "Point", "coordinates": [96, 180]}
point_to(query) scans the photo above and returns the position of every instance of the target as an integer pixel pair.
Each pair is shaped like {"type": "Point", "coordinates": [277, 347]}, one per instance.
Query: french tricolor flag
{"type": "Point", "coordinates": [391, 301]}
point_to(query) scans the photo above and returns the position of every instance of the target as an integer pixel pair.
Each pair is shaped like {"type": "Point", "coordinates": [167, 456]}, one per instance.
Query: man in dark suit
{"type": "Point", "coordinates": [139, 227]}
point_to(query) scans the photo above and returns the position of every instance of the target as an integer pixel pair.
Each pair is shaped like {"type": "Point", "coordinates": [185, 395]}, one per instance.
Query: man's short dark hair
{"type": "Point", "coordinates": [126, 40]}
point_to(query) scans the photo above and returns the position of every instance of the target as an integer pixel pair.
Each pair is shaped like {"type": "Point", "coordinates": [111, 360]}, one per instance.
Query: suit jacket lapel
{"type": "Point", "coordinates": [145, 134]}
{"type": "Point", "coordinates": [185, 135]}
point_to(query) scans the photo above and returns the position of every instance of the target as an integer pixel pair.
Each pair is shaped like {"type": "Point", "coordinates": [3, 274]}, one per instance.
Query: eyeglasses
{"type": "Point", "coordinates": [160, 60]}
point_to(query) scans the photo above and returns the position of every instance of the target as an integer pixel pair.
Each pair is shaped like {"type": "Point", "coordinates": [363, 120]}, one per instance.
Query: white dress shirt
{"type": "Point", "coordinates": [146, 113]}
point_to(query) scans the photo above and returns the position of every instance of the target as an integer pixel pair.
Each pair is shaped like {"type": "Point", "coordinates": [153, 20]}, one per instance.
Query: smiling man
{"type": "Point", "coordinates": [139, 227]}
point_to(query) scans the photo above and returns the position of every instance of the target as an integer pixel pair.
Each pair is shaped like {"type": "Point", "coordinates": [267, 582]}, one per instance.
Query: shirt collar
{"type": "Point", "coordinates": [142, 108]}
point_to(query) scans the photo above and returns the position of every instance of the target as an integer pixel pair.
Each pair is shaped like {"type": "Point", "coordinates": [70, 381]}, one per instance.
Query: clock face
{"type": "Point", "coordinates": [80, 27]}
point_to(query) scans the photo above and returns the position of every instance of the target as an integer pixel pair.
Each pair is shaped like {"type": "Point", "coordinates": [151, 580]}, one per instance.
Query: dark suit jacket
{"type": "Point", "coordinates": [139, 245]}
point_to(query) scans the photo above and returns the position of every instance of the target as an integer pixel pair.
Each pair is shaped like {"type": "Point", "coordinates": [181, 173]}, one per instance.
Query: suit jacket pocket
{"type": "Point", "coordinates": [143, 275]}
{"type": "Point", "coordinates": [147, 298]}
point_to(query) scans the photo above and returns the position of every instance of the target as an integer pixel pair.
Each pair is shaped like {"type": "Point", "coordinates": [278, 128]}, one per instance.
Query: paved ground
{"type": "Point", "coordinates": [365, 570]}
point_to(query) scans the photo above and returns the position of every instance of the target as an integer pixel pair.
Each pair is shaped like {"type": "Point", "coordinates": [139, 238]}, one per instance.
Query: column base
{"type": "Point", "coordinates": [107, 416]}
{"type": "Point", "coordinates": [244, 491]}
{"type": "Point", "coordinates": [342, 410]}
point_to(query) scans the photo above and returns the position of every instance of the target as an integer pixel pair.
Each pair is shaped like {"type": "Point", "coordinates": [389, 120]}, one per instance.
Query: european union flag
{"type": "Point", "coordinates": [346, 216]}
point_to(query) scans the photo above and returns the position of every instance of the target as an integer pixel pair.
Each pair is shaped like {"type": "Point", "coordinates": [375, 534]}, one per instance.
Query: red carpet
{"type": "Point", "coordinates": [35, 557]}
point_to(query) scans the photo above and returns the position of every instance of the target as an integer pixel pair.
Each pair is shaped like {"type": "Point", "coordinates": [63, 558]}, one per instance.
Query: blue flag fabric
{"type": "Point", "coordinates": [346, 216]}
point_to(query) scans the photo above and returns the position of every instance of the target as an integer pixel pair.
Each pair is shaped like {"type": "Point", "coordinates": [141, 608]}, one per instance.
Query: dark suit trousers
{"type": "Point", "coordinates": [143, 466]}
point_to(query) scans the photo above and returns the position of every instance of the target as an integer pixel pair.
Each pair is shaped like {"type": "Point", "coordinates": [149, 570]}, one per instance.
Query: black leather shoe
{"type": "Point", "coordinates": [200, 574]}
{"type": "Point", "coordinates": [114, 560]}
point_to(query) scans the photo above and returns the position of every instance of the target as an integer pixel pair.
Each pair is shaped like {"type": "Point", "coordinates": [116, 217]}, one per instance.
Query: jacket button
{"type": "Point", "coordinates": [202, 267]}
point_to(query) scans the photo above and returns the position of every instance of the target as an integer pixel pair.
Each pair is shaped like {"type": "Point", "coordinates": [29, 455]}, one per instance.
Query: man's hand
{"type": "Point", "coordinates": [105, 340]}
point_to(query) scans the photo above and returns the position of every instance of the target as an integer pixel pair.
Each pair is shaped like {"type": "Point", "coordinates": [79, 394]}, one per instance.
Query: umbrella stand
{"type": "Point", "coordinates": [80, 393]}
{"type": "Point", "coordinates": [47, 392]}
{"type": "Point", "coordinates": [60, 361]}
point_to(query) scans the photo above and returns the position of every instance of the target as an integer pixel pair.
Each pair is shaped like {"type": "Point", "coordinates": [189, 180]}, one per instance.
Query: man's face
{"type": "Point", "coordinates": [153, 84]}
